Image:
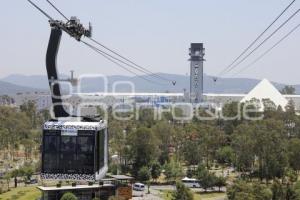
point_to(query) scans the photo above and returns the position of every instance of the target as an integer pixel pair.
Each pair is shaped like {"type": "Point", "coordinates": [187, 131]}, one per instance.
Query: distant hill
{"type": "Point", "coordinates": [34, 81]}
{"type": "Point", "coordinates": [8, 88]}
{"type": "Point", "coordinates": [222, 85]}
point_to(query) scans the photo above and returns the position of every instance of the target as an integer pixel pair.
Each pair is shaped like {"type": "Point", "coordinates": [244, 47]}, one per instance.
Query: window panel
{"type": "Point", "coordinates": [51, 144]}
{"type": "Point", "coordinates": [70, 154]}
{"type": "Point", "coordinates": [68, 144]}
{"type": "Point", "coordinates": [85, 144]}
{"type": "Point", "coordinates": [50, 163]}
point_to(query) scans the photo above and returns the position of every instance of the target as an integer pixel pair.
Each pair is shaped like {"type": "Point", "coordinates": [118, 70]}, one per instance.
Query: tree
{"type": "Point", "coordinates": [4, 135]}
{"type": "Point", "coordinates": [297, 191]}
{"type": "Point", "coordinates": [147, 117]}
{"type": "Point", "coordinates": [28, 145]}
{"type": "Point", "coordinates": [225, 155]}
{"type": "Point", "coordinates": [165, 134]}
{"type": "Point", "coordinates": [231, 110]}
{"type": "Point", "coordinates": [192, 151]}
{"type": "Point", "coordinates": [262, 192]}
{"type": "Point", "coordinates": [68, 196]}
{"type": "Point", "coordinates": [201, 143]}
{"type": "Point", "coordinates": [6, 100]}
{"type": "Point", "coordinates": [14, 174]}
{"type": "Point", "coordinates": [262, 141]}
{"type": "Point", "coordinates": [243, 145]}
{"type": "Point", "coordinates": [220, 182]}
{"type": "Point", "coordinates": [45, 115]}
{"type": "Point", "coordinates": [278, 190]}
{"type": "Point", "coordinates": [173, 170]}
{"type": "Point", "coordinates": [288, 89]}
{"type": "Point", "coordinates": [27, 172]}
{"type": "Point", "coordinates": [182, 192]}
{"type": "Point", "coordinates": [270, 148]}
{"type": "Point", "coordinates": [294, 154]}
{"type": "Point", "coordinates": [143, 148]}
{"type": "Point", "coordinates": [211, 139]}
{"type": "Point", "coordinates": [269, 105]}
{"type": "Point", "coordinates": [14, 126]}
{"type": "Point", "coordinates": [144, 174]}
{"type": "Point", "coordinates": [207, 180]}
{"type": "Point", "coordinates": [30, 110]}
{"type": "Point", "coordinates": [7, 177]}
{"type": "Point", "coordinates": [242, 190]}
{"type": "Point", "coordinates": [155, 170]}
{"type": "Point", "coordinates": [120, 132]}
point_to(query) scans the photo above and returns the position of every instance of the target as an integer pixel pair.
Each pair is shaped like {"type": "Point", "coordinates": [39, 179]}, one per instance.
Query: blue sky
{"type": "Point", "coordinates": [154, 33]}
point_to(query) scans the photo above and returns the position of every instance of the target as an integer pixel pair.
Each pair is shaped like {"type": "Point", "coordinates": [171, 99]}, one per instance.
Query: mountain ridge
{"type": "Point", "coordinates": [9, 88]}
{"type": "Point", "coordinates": [222, 85]}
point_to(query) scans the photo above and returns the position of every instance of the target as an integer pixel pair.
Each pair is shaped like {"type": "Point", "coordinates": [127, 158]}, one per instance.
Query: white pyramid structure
{"type": "Point", "coordinates": [265, 90]}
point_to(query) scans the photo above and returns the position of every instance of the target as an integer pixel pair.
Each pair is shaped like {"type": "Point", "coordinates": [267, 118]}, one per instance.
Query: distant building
{"type": "Point", "coordinates": [42, 100]}
{"type": "Point", "coordinates": [263, 90]}
{"type": "Point", "coordinates": [6, 100]}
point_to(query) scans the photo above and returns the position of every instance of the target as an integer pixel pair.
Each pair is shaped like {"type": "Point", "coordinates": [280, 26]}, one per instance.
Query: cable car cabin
{"type": "Point", "coordinates": [74, 150]}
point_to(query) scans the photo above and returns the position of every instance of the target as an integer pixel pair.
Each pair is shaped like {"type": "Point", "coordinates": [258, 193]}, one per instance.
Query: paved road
{"type": "Point", "coordinates": [155, 193]}
{"type": "Point", "coordinates": [172, 187]}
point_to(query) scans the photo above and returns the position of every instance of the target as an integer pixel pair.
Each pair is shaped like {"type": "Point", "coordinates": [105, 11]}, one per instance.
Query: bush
{"type": "Point", "coordinates": [182, 192]}
{"type": "Point", "coordinates": [243, 190]}
{"type": "Point", "coordinates": [68, 196]}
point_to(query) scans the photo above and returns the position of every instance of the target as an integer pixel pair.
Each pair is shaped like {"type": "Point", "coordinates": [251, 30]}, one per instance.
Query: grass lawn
{"type": "Point", "coordinates": [166, 195]}
{"type": "Point", "coordinates": [21, 193]}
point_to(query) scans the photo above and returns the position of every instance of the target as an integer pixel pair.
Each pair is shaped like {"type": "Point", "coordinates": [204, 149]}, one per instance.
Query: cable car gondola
{"type": "Point", "coordinates": [74, 150]}
{"type": "Point", "coordinates": [71, 150]}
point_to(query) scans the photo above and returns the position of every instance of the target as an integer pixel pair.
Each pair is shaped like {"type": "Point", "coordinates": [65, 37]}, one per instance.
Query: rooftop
{"type": "Point", "coordinates": [59, 125]}
{"type": "Point", "coordinates": [69, 187]}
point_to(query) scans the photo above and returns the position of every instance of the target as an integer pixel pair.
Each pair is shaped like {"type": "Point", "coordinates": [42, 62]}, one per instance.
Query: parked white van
{"type": "Point", "coordinates": [139, 187]}
{"type": "Point", "coordinates": [191, 182]}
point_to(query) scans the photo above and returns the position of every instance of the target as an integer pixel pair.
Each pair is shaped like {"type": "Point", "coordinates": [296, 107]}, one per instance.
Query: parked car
{"type": "Point", "coordinates": [32, 181]}
{"type": "Point", "coordinates": [139, 187]}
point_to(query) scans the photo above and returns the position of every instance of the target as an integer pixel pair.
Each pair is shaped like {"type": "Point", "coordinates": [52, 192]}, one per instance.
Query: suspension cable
{"type": "Point", "coordinates": [130, 61]}
{"type": "Point", "coordinates": [43, 12]}
{"type": "Point", "coordinates": [264, 41]}
{"type": "Point", "coordinates": [118, 64]}
{"type": "Point", "coordinates": [123, 62]}
{"type": "Point", "coordinates": [258, 37]}
{"type": "Point", "coordinates": [269, 50]}
{"type": "Point", "coordinates": [57, 10]}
